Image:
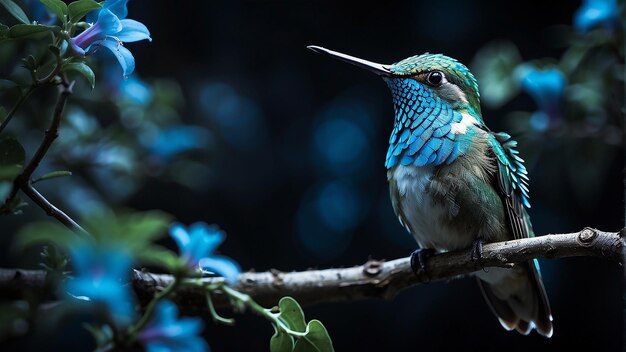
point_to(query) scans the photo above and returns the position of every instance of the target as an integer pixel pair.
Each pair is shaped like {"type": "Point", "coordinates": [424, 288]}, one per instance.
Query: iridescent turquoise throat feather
{"type": "Point", "coordinates": [422, 133]}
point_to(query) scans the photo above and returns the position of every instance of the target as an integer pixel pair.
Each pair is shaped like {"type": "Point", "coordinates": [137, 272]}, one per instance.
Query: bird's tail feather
{"type": "Point", "coordinates": [518, 299]}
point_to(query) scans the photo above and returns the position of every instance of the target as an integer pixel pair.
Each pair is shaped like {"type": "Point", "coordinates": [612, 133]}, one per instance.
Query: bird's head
{"type": "Point", "coordinates": [434, 77]}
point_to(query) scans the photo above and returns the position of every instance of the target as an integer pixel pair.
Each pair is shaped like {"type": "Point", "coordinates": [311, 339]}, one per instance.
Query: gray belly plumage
{"type": "Point", "coordinates": [440, 211]}
{"type": "Point", "coordinates": [424, 217]}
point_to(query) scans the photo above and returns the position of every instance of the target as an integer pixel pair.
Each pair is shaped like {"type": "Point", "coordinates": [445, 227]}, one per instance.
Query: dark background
{"type": "Point", "coordinates": [264, 182]}
{"type": "Point", "coordinates": [296, 175]}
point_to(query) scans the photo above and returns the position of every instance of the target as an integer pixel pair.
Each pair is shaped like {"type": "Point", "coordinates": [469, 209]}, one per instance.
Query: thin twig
{"type": "Point", "coordinates": [65, 90]}
{"type": "Point", "coordinates": [24, 180]}
{"type": "Point", "coordinates": [52, 210]}
{"type": "Point", "coordinates": [147, 315]}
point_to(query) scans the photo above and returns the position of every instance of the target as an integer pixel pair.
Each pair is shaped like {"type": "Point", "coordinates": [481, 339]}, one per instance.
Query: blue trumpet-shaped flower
{"type": "Point", "coordinates": [597, 13]}
{"type": "Point", "coordinates": [110, 31]}
{"type": "Point", "coordinates": [197, 244]}
{"type": "Point", "coordinates": [165, 332]}
{"type": "Point", "coordinates": [98, 277]}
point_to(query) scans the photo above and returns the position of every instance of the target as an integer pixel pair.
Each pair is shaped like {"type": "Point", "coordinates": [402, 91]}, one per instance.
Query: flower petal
{"type": "Point", "coordinates": [133, 31]}
{"type": "Point", "coordinates": [180, 235]}
{"type": "Point", "coordinates": [123, 55]}
{"type": "Point", "coordinates": [222, 266]}
{"type": "Point", "coordinates": [108, 291]}
{"type": "Point", "coordinates": [118, 7]}
{"type": "Point", "coordinates": [594, 13]}
{"type": "Point", "coordinates": [108, 23]}
{"type": "Point", "coordinates": [164, 314]}
{"type": "Point", "coordinates": [211, 234]}
{"type": "Point", "coordinates": [165, 332]}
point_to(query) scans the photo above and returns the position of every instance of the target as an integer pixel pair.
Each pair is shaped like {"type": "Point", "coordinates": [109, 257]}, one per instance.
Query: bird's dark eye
{"type": "Point", "coordinates": [435, 78]}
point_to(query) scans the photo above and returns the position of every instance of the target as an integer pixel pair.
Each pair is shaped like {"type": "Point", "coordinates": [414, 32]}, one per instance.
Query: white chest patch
{"type": "Point", "coordinates": [426, 219]}
{"type": "Point", "coordinates": [461, 127]}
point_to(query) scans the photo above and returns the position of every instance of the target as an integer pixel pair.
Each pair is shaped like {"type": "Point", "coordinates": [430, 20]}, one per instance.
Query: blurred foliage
{"type": "Point", "coordinates": [579, 96]}
{"type": "Point", "coordinates": [117, 131]}
{"type": "Point", "coordinates": [121, 131]}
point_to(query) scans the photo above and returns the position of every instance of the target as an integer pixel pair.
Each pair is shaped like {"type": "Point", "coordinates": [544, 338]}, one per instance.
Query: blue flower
{"type": "Point", "coordinates": [136, 91]}
{"type": "Point", "coordinates": [197, 244]}
{"type": "Point", "coordinates": [177, 139]}
{"type": "Point", "coordinates": [111, 30]}
{"type": "Point", "coordinates": [167, 333]}
{"type": "Point", "coordinates": [546, 87]}
{"type": "Point", "coordinates": [98, 277]}
{"type": "Point", "coordinates": [596, 13]}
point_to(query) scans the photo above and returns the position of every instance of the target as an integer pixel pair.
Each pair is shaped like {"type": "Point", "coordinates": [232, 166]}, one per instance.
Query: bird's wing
{"type": "Point", "coordinates": [512, 180]}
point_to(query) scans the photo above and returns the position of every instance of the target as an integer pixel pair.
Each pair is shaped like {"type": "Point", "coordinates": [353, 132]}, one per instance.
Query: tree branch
{"type": "Point", "coordinates": [383, 279]}
{"type": "Point", "coordinates": [374, 279]}
{"type": "Point", "coordinates": [24, 180]}
{"type": "Point", "coordinates": [52, 210]}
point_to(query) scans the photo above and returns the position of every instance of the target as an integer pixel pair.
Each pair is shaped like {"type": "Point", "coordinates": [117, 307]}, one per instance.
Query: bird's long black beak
{"type": "Point", "coordinates": [379, 69]}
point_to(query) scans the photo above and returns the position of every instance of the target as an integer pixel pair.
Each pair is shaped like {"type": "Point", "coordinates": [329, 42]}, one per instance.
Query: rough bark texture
{"type": "Point", "coordinates": [384, 279]}
{"type": "Point", "coordinates": [374, 279]}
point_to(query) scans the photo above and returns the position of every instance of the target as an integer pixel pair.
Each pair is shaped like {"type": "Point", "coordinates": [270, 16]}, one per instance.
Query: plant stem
{"type": "Point", "coordinates": [216, 317]}
{"type": "Point", "coordinates": [52, 210]}
{"type": "Point", "coordinates": [23, 181]}
{"type": "Point", "coordinates": [260, 310]}
{"type": "Point", "coordinates": [134, 330]}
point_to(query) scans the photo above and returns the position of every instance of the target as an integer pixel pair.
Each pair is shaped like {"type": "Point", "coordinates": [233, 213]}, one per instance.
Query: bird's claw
{"type": "Point", "coordinates": [418, 262]}
{"type": "Point", "coordinates": [477, 252]}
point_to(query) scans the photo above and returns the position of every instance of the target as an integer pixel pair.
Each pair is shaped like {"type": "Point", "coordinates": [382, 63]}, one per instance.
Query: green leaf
{"type": "Point", "coordinates": [57, 7]}
{"type": "Point", "coordinates": [52, 259]}
{"type": "Point", "coordinates": [53, 174]}
{"type": "Point", "coordinates": [493, 65]}
{"type": "Point", "coordinates": [44, 232]}
{"type": "Point", "coordinates": [84, 70]}
{"type": "Point", "coordinates": [78, 9]}
{"type": "Point", "coordinates": [54, 50]}
{"type": "Point", "coordinates": [292, 314]}
{"type": "Point", "coordinates": [20, 31]}
{"type": "Point", "coordinates": [145, 226]}
{"type": "Point", "coordinates": [12, 157]}
{"type": "Point", "coordinates": [316, 339]}
{"type": "Point", "coordinates": [159, 256]}
{"type": "Point", "coordinates": [281, 342]}
{"type": "Point", "coordinates": [15, 10]}
{"type": "Point", "coordinates": [134, 229]}
{"type": "Point", "coordinates": [6, 84]}
{"type": "Point", "coordinates": [4, 32]}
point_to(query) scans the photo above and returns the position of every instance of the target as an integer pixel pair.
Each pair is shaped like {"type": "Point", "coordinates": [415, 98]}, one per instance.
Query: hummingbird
{"type": "Point", "coordinates": [455, 184]}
